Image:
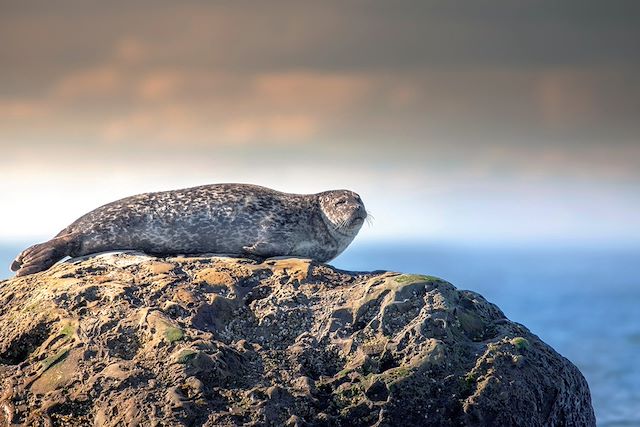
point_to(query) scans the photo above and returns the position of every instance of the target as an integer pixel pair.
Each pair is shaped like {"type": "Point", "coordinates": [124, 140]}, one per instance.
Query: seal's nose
{"type": "Point", "coordinates": [361, 212]}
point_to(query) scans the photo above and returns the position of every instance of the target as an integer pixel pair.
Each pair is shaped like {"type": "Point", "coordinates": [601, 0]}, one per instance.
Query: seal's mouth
{"type": "Point", "coordinates": [359, 220]}
{"type": "Point", "coordinates": [360, 216]}
{"type": "Point", "coordinates": [352, 223]}
{"type": "Point", "coordinates": [348, 227]}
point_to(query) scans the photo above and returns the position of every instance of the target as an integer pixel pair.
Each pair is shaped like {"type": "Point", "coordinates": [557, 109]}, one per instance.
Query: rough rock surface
{"type": "Point", "coordinates": [126, 339]}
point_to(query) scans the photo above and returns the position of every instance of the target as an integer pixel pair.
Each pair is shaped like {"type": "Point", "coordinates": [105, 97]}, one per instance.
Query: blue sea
{"type": "Point", "coordinates": [583, 302]}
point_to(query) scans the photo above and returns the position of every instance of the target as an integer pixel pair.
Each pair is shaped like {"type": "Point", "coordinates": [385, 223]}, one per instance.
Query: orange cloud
{"type": "Point", "coordinates": [199, 108]}
{"type": "Point", "coordinates": [160, 85]}
{"type": "Point", "coordinates": [168, 125]}
{"type": "Point", "coordinates": [566, 98]}
{"type": "Point", "coordinates": [178, 125]}
{"type": "Point", "coordinates": [319, 90]}
{"type": "Point", "coordinates": [130, 50]}
{"type": "Point", "coordinates": [89, 83]}
{"type": "Point", "coordinates": [20, 109]}
{"type": "Point", "coordinates": [275, 129]}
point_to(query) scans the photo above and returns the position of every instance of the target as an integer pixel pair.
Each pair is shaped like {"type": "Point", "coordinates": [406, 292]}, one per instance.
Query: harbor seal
{"type": "Point", "coordinates": [233, 219]}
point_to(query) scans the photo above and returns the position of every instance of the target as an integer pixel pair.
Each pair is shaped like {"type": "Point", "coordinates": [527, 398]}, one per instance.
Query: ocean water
{"type": "Point", "coordinates": [585, 303]}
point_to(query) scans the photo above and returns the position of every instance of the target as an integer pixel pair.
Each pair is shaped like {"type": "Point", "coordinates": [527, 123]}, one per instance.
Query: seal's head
{"type": "Point", "coordinates": [343, 213]}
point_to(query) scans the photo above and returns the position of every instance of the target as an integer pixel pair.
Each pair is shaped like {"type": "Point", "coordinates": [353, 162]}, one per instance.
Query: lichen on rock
{"type": "Point", "coordinates": [125, 339]}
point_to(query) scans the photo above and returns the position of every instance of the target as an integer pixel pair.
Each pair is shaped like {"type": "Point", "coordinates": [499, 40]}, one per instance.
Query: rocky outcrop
{"type": "Point", "coordinates": [125, 339]}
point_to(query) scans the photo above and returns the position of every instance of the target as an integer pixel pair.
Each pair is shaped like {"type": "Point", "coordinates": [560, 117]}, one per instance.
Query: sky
{"type": "Point", "coordinates": [478, 121]}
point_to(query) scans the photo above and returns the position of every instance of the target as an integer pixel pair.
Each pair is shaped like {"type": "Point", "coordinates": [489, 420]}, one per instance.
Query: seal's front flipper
{"type": "Point", "coordinates": [264, 249]}
{"type": "Point", "coordinates": [43, 255]}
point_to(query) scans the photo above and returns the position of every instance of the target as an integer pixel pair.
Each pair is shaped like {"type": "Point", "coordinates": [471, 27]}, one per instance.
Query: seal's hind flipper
{"type": "Point", "coordinates": [42, 256]}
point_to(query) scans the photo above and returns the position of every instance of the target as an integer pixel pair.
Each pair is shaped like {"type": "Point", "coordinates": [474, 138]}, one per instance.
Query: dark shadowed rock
{"type": "Point", "coordinates": [126, 339]}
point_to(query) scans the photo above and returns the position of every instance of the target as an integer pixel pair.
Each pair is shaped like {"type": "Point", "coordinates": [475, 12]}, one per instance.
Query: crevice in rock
{"type": "Point", "coordinates": [21, 347]}
{"type": "Point", "coordinates": [125, 344]}
{"type": "Point", "coordinates": [71, 413]}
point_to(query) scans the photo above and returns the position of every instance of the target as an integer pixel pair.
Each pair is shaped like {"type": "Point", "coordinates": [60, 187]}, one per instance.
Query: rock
{"type": "Point", "coordinates": [124, 339]}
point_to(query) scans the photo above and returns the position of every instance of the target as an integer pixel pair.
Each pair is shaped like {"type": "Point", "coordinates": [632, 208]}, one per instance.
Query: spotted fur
{"type": "Point", "coordinates": [234, 219]}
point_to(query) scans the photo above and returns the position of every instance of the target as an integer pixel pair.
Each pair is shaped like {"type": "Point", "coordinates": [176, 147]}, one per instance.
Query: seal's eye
{"type": "Point", "coordinates": [341, 202]}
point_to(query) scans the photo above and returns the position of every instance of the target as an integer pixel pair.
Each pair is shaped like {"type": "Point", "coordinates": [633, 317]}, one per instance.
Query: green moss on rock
{"type": "Point", "coordinates": [520, 343]}
{"type": "Point", "coordinates": [414, 278]}
{"type": "Point", "coordinates": [173, 334]}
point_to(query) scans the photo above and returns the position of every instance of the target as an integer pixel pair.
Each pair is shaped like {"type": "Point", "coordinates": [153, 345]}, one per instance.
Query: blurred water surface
{"type": "Point", "coordinates": [583, 302]}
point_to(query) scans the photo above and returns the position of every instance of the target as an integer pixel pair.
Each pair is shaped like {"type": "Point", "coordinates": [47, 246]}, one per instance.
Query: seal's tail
{"type": "Point", "coordinates": [42, 256]}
